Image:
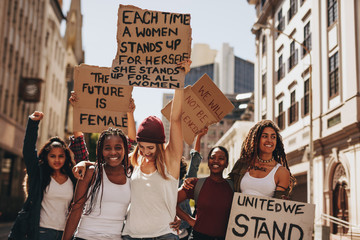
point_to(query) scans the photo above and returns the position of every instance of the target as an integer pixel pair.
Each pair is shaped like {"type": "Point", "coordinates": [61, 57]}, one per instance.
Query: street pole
{"type": "Point", "coordinates": [258, 26]}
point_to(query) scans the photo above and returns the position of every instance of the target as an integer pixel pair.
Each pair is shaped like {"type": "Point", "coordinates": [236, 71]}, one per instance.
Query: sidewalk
{"type": "Point", "coordinates": [5, 229]}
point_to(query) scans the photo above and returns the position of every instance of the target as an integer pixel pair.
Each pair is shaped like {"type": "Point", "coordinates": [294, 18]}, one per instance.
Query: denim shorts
{"type": "Point", "coordinates": [49, 234]}
{"type": "Point", "coordinates": [168, 236]}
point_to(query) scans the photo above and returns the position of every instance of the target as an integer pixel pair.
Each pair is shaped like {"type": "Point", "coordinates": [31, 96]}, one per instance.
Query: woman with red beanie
{"type": "Point", "coordinates": [154, 182]}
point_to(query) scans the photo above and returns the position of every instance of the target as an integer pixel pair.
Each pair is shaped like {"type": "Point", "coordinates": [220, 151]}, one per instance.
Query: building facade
{"type": "Point", "coordinates": [326, 63]}
{"type": "Point", "coordinates": [32, 77]}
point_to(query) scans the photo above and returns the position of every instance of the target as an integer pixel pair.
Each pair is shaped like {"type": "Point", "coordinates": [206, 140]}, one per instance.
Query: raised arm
{"type": "Point", "coordinates": [29, 147]}
{"type": "Point", "coordinates": [131, 121]}
{"type": "Point", "coordinates": [174, 148]}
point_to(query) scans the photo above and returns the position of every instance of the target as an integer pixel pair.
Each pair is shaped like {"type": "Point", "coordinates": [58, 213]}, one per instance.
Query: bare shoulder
{"type": "Point", "coordinates": [282, 175]}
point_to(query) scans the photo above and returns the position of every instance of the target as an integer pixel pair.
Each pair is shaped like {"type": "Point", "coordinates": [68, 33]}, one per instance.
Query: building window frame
{"type": "Point", "coordinates": [293, 59]}
{"type": "Point", "coordinates": [334, 79]}
{"type": "Point", "coordinates": [292, 10]}
{"type": "Point", "coordinates": [307, 40]}
{"type": "Point", "coordinates": [305, 102]}
{"type": "Point", "coordinates": [281, 69]}
{"type": "Point", "coordinates": [293, 109]}
{"type": "Point", "coordinates": [332, 11]}
{"type": "Point", "coordinates": [281, 116]}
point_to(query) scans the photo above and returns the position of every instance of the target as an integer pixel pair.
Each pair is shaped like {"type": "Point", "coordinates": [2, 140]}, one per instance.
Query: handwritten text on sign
{"type": "Point", "coordinates": [204, 104]}
{"type": "Point", "coordinates": [101, 105]}
{"type": "Point", "coordinates": [150, 44]}
{"type": "Point", "coordinates": [254, 217]}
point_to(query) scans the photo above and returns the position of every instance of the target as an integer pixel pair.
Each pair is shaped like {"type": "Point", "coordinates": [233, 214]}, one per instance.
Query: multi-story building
{"type": "Point", "coordinates": [326, 64]}
{"type": "Point", "coordinates": [32, 77]}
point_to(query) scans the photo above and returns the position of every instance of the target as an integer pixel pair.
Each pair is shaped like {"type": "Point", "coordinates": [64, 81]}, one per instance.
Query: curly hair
{"type": "Point", "coordinates": [97, 176]}
{"type": "Point", "coordinates": [250, 147]}
{"type": "Point", "coordinates": [54, 142]}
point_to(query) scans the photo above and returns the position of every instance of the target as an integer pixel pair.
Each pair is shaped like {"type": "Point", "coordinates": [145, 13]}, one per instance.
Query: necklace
{"type": "Point", "coordinates": [264, 161]}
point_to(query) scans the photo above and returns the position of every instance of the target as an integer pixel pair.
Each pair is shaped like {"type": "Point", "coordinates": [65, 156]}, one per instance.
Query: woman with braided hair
{"type": "Point", "coordinates": [262, 168]}
{"type": "Point", "coordinates": [102, 197]}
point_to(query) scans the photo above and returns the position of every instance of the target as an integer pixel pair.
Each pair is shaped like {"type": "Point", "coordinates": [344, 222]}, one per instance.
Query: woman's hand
{"type": "Point", "coordinates": [79, 170]}
{"type": "Point", "coordinates": [187, 183]}
{"type": "Point", "coordinates": [132, 106]}
{"type": "Point", "coordinates": [73, 98]}
{"type": "Point", "coordinates": [175, 225]}
{"type": "Point", "coordinates": [185, 65]}
{"type": "Point", "coordinates": [36, 116]}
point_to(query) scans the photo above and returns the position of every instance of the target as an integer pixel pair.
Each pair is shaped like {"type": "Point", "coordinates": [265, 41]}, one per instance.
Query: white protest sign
{"type": "Point", "coordinates": [254, 217]}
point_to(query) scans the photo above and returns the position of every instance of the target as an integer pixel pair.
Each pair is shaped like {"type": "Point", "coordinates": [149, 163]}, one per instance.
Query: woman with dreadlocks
{"type": "Point", "coordinates": [49, 186]}
{"type": "Point", "coordinates": [102, 195]}
{"type": "Point", "coordinates": [262, 168]}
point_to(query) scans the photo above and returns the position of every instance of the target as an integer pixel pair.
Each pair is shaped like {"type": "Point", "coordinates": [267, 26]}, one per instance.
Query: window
{"type": "Point", "coordinates": [281, 117]}
{"type": "Point", "coordinates": [293, 116]}
{"type": "Point", "coordinates": [307, 39]}
{"type": "Point", "coordinates": [334, 75]}
{"type": "Point", "coordinates": [306, 99]}
{"type": "Point", "coordinates": [292, 10]}
{"type": "Point", "coordinates": [293, 59]}
{"type": "Point", "coordinates": [263, 85]}
{"type": "Point", "coordinates": [263, 45]}
{"type": "Point", "coordinates": [281, 69]}
{"type": "Point", "coordinates": [332, 11]}
{"type": "Point", "coordinates": [281, 20]}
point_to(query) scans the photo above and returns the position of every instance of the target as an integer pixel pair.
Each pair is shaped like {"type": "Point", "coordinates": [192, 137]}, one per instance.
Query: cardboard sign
{"type": "Point", "coordinates": [150, 44]}
{"type": "Point", "coordinates": [254, 217]}
{"type": "Point", "coordinates": [204, 105]}
{"type": "Point", "coordinates": [101, 105]}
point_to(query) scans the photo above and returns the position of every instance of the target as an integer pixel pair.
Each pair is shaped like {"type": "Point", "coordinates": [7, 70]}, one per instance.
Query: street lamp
{"type": "Point", "coordinates": [258, 26]}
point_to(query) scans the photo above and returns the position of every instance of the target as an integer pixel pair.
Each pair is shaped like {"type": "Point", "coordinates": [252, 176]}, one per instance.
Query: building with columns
{"type": "Point", "coordinates": [33, 67]}
{"type": "Point", "coordinates": [326, 64]}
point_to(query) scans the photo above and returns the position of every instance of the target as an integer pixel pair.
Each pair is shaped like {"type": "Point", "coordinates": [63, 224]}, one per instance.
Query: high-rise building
{"type": "Point", "coordinates": [32, 77]}
{"type": "Point", "coordinates": [326, 64]}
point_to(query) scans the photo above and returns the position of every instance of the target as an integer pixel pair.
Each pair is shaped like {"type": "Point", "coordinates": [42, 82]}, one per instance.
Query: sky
{"type": "Point", "coordinates": [213, 22]}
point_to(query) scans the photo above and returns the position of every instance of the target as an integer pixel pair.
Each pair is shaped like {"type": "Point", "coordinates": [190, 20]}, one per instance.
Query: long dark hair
{"type": "Point", "coordinates": [250, 147]}
{"type": "Point", "coordinates": [54, 142]}
{"type": "Point", "coordinates": [97, 177]}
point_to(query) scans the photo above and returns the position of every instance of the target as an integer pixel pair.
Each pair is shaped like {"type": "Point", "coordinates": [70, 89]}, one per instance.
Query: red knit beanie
{"type": "Point", "coordinates": [151, 130]}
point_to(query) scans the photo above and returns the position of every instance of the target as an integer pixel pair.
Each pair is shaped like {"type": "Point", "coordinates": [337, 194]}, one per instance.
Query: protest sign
{"type": "Point", "coordinates": [204, 104]}
{"type": "Point", "coordinates": [150, 44]}
{"type": "Point", "coordinates": [255, 217]}
{"type": "Point", "coordinates": [101, 105]}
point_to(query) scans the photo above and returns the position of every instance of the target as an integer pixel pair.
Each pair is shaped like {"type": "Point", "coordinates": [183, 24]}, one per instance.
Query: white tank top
{"type": "Point", "coordinates": [153, 204]}
{"type": "Point", "coordinates": [259, 186]}
{"type": "Point", "coordinates": [106, 222]}
{"type": "Point", "coordinates": [55, 204]}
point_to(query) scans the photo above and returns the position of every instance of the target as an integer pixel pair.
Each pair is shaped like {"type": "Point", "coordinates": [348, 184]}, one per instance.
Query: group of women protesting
{"type": "Point", "coordinates": [135, 195]}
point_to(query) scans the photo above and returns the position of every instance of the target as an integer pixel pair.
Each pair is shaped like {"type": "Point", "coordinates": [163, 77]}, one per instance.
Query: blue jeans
{"type": "Point", "coordinates": [49, 234]}
{"type": "Point", "coordinates": [168, 236]}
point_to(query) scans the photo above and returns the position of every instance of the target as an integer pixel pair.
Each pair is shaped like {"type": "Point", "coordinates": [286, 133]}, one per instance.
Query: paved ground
{"type": "Point", "coordinates": [4, 230]}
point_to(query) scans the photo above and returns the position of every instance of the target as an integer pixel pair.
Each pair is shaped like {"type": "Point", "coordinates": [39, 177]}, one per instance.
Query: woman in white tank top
{"type": "Point", "coordinates": [262, 168]}
{"type": "Point", "coordinates": [102, 196]}
{"type": "Point", "coordinates": [154, 182]}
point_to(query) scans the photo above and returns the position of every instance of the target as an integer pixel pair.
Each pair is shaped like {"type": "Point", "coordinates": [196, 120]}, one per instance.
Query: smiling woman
{"type": "Point", "coordinates": [262, 169]}
{"type": "Point", "coordinates": [213, 197]}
